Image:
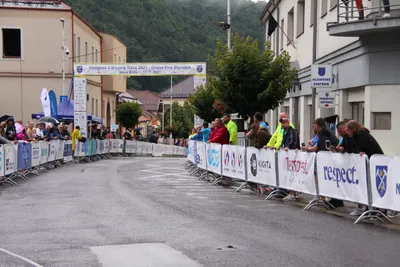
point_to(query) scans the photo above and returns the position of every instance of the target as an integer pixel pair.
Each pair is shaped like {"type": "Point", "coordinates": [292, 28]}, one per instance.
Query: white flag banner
{"type": "Point", "coordinates": [385, 182]}
{"type": "Point", "coordinates": [35, 157]}
{"type": "Point", "coordinates": [201, 155]}
{"type": "Point", "coordinates": [342, 176]}
{"type": "Point", "coordinates": [141, 69]}
{"type": "Point", "coordinates": [44, 98]}
{"type": "Point", "coordinates": [214, 157]}
{"type": "Point", "coordinates": [233, 159]}
{"type": "Point", "coordinates": [296, 171]}
{"type": "Point", "coordinates": [44, 152]}
{"type": "Point", "coordinates": [1, 161]}
{"type": "Point", "coordinates": [261, 166]}
{"type": "Point", "coordinates": [10, 158]}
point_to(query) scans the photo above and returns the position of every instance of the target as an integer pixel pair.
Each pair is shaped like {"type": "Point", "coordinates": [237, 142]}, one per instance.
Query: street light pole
{"type": "Point", "coordinates": [170, 110]}
{"type": "Point", "coordinates": [63, 56]}
{"type": "Point", "coordinates": [228, 15]}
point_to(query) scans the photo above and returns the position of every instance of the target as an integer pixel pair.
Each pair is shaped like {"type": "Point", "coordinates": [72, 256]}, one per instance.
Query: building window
{"type": "Point", "coordinates": [79, 50]}
{"type": "Point", "coordinates": [382, 120]}
{"type": "Point", "coordinates": [324, 8]}
{"type": "Point", "coordinates": [97, 107]}
{"type": "Point", "coordinates": [358, 112]}
{"type": "Point", "coordinates": [290, 29]}
{"type": "Point", "coordinates": [282, 35]}
{"type": "Point", "coordinates": [119, 59]}
{"type": "Point", "coordinates": [97, 56]}
{"type": "Point", "coordinates": [92, 54]}
{"type": "Point", "coordinates": [12, 43]}
{"type": "Point", "coordinates": [313, 3]}
{"type": "Point", "coordinates": [86, 52]}
{"type": "Point", "coordinates": [334, 3]}
{"type": "Point", "coordinates": [300, 17]}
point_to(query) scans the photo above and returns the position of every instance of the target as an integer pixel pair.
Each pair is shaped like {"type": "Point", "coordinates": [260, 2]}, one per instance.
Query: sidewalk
{"type": "Point", "coordinates": [343, 212]}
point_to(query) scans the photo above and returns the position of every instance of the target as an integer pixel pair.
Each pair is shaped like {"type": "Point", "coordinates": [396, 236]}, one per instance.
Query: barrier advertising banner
{"type": "Point", "coordinates": [44, 152]}
{"type": "Point", "coordinates": [261, 166]}
{"type": "Point", "coordinates": [385, 182]}
{"type": "Point", "coordinates": [233, 159]}
{"type": "Point", "coordinates": [60, 150]}
{"type": "Point", "coordinates": [201, 155]}
{"type": "Point", "coordinates": [191, 149]}
{"type": "Point", "coordinates": [342, 176]}
{"type": "Point", "coordinates": [296, 171]}
{"type": "Point", "coordinates": [114, 146]}
{"type": "Point", "coordinates": [52, 151]}
{"type": "Point", "coordinates": [10, 158]}
{"type": "Point", "coordinates": [130, 147]}
{"type": "Point", "coordinates": [156, 150]}
{"type": "Point", "coordinates": [98, 147]}
{"type": "Point", "coordinates": [120, 146]}
{"type": "Point", "coordinates": [35, 154]}
{"type": "Point", "coordinates": [68, 150]}
{"type": "Point", "coordinates": [214, 156]}
{"type": "Point", "coordinates": [106, 144]}
{"type": "Point", "coordinates": [1, 161]}
{"type": "Point", "coordinates": [24, 155]}
{"type": "Point", "coordinates": [89, 147]}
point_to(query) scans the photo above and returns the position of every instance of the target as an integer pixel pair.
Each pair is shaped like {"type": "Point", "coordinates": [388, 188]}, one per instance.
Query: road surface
{"type": "Point", "coordinates": [148, 212]}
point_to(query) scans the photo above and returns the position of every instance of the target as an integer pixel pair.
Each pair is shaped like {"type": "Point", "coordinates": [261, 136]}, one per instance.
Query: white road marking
{"type": "Point", "coordinates": [20, 257]}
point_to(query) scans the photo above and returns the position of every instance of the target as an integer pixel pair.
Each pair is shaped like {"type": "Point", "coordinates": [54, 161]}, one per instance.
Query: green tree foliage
{"type": "Point", "coordinates": [248, 79]}
{"type": "Point", "coordinates": [128, 114]}
{"type": "Point", "coordinates": [168, 30]}
{"type": "Point", "coordinates": [204, 102]}
{"type": "Point", "coordinates": [182, 120]}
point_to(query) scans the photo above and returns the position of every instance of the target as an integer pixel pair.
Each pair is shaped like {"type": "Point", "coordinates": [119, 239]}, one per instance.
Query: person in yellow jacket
{"type": "Point", "coordinates": [232, 129]}
{"type": "Point", "coordinates": [276, 140]}
{"type": "Point", "coordinates": [76, 135]}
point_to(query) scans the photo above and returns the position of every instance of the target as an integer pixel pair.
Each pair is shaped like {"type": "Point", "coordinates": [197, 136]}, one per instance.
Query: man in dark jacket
{"type": "Point", "coordinates": [364, 142]}
{"type": "Point", "coordinates": [9, 130]}
{"type": "Point", "coordinates": [289, 135]}
{"type": "Point", "coordinates": [262, 136]}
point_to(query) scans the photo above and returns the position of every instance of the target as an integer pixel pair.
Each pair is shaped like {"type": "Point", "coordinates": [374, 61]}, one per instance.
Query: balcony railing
{"type": "Point", "coordinates": [347, 10]}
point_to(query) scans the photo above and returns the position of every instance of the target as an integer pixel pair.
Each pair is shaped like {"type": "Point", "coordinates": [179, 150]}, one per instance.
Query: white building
{"type": "Point", "coordinates": [364, 54]}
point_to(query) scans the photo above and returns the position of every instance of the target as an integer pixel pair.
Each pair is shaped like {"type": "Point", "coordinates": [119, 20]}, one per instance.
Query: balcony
{"type": "Point", "coordinates": [349, 23]}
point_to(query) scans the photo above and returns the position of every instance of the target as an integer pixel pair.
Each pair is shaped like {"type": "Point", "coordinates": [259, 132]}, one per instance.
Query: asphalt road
{"type": "Point", "coordinates": [148, 212]}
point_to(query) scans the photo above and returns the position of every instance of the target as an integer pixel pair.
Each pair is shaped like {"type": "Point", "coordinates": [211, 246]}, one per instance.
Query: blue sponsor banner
{"type": "Point", "coordinates": [89, 146]}
{"type": "Point", "coordinates": [67, 150]}
{"type": "Point", "coordinates": [53, 104]}
{"type": "Point", "coordinates": [94, 147]}
{"type": "Point", "coordinates": [24, 156]}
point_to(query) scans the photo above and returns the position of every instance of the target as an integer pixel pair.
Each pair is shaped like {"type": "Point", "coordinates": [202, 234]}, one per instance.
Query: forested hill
{"type": "Point", "coordinates": [169, 30]}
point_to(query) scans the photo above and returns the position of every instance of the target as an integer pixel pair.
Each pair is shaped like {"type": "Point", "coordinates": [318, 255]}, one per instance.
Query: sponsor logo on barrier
{"type": "Point", "coordinates": [297, 166]}
{"type": "Point", "coordinates": [1, 161]}
{"type": "Point", "coordinates": [240, 160]}
{"type": "Point", "coordinates": [397, 189]}
{"type": "Point", "coordinates": [213, 158]}
{"type": "Point", "coordinates": [340, 175]}
{"type": "Point", "coordinates": [381, 179]}
{"type": "Point", "coordinates": [35, 152]}
{"type": "Point", "coordinates": [226, 160]}
{"type": "Point", "coordinates": [233, 159]}
{"type": "Point", "coordinates": [258, 164]}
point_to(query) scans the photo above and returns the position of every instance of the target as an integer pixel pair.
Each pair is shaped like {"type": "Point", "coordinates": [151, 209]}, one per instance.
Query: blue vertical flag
{"type": "Point", "coordinates": [53, 104]}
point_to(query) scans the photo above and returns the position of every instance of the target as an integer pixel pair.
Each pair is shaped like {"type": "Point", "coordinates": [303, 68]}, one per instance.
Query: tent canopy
{"type": "Point", "coordinates": [65, 112]}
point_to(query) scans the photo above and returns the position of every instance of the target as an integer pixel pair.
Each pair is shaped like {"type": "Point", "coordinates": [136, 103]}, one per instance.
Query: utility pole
{"type": "Point", "coordinates": [170, 110]}
{"type": "Point", "coordinates": [63, 56]}
{"type": "Point", "coordinates": [314, 57]}
{"type": "Point", "coordinates": [228, 21]}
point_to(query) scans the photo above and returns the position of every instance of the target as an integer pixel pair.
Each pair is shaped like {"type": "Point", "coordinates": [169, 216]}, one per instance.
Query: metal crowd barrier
{"type": "Point", "coordinates": [20, 160]}
{"type": "Point", "coordinates": [374, 183]}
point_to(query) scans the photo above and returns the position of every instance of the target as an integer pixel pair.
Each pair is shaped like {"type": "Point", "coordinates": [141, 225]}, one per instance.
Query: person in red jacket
{"type": "Point", "coordinates": [220, 134]}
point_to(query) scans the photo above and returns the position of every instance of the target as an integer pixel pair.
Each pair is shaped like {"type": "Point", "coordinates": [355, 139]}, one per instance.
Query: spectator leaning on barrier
{"type": "Point", "coordinates": [39, 131]}
{"type": "Point", "coordinates": [262, 136]}
{"type": "Point", "coordinates": [324, 135]}
{"type": "Point", "coordinates": [198, 136]}
{"type": "Point", "coordinates": [252, 134]}
{"type": "Point", "coordinates": [205, 132]}
{"type": "Point", "coordinates": [276, 139]}
{"type": "Point", "coordinates": [232, 129]}
{"type": "Point", "coordinates": [289, 140]}
{"type": "Point", "coordinates": [128, 134]}
{"type": "Point", "coordinates": [9, 130]}
{"type": "Point", "coordinates": [220, 134]}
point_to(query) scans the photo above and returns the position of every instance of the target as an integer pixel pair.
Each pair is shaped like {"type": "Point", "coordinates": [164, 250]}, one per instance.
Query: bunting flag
{"type": "Point", "coordinates": [272, 25]}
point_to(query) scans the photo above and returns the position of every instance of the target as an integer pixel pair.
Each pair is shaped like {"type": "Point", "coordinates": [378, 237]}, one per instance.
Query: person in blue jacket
{"type": "Point", "coordinates": [206, 131]}
{"type": "Point", "coordinates": [198, 136]}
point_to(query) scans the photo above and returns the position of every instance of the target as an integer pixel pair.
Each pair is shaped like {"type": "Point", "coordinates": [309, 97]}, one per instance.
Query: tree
{"type": "Point", "coordinates": [182, 120]}
{"type": "Point", "coordinates": [249, 79]}
{"type": "Point", "coordinates": [128, 114]}
{"type": "Point", "coordinates": [205, 103]}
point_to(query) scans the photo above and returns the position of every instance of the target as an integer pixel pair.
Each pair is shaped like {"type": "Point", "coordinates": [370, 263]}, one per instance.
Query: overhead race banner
{"type": "Point", "coordinates": [296, 171]}
{"type": "Point", "coordinates": [385, 182]}
{"type": "Point", "coordinates": [141, 69]}
{"type": "Point", "coordinates": [233, 162]}
{"type": "Point", "coordinates": [261, 166]}
{"type": "Point", "coordinates": [342, 176]}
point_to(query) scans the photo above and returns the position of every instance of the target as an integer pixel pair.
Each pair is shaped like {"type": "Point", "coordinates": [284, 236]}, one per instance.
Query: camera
{"type": "Point", "coordinates": [66, 51]}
